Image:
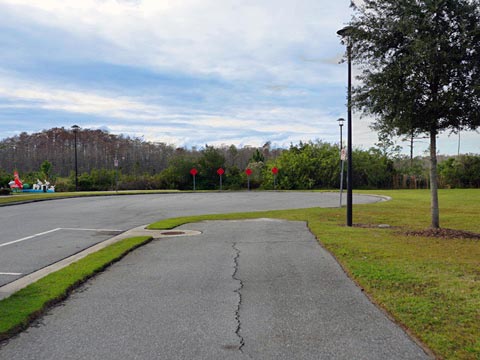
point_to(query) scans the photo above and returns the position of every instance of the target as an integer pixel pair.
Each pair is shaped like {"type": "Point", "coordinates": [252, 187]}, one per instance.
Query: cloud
{"type": "Point", "coordinates": [187, 72]}
{"type": "Point", "coordinates": [168, 123]}
{"type": "Point", "coordinates": [235, 40]}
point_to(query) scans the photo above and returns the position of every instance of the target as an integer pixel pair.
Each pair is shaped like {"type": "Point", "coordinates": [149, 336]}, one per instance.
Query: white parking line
{"type": "Point", "coordinates": [29, 237]}
{"type": "Point", "coordinates": [51, 231]}
{"type": "Point", "coordinates": [79, 229]}
{"type": "Point", "coordinates": [12, 274]}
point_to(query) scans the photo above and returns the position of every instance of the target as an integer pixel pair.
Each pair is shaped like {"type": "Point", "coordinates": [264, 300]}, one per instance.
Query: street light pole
{"type": "Point", "coordinates": [342, 159]}
{"type": "Point", "coordinates": [344, 33]}
{"type": "Point", "coordinates": [75, 130]}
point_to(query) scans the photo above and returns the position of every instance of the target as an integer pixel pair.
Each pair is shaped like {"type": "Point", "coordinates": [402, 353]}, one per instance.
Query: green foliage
{"type": "Point", "coordinates": [208, 164]}
{"type": "Point", "coordinates": [5, 191]}
{"type": "Point", "coordinates": [177, 174]}
{"type": "Point", "coordinates": [233, 178]}
{"type": "Point", "coordinates": [460, 172]}
{"type": "Point", "coordinates": [257, 156]}
{"type": "Point", "coordinates": [5, 178]}
{"type": "Point", "coordinates": [45, 169]}
{"type": "Point", "coordinates": [317, 166]}
{"type": "Point", "coordinates": [422, 69]}
{"type": "Point", "coordinates": [308, 166]}
{"type": "Point", "coordinates": [96, 180]}
{"type": "Point", "coordinates": [372, 169]}
{"type": "Point", "coordinates": [422, 62]}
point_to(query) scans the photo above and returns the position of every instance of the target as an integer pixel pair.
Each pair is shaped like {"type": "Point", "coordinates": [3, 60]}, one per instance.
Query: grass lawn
{"type": "Point", "coordinates": [430, 285]}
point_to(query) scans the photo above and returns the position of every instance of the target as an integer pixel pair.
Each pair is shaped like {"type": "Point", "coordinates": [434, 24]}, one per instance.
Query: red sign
{"type": "Point", "coordinates": [220, 171]}
{"type": "Point", "coordinates": [193, 172]}
{"type": "Point", "coordinates": [248, 172]}
{"type": "Point", "coordinates": [274, 171]}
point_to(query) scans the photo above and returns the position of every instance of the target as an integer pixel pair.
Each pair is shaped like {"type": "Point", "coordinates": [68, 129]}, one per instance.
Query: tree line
{"type": "Point", "coordinates": [49, 155]}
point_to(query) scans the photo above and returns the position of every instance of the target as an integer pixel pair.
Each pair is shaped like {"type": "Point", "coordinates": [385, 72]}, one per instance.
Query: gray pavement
{"type": "Point", "coordinates": [257, 289]}
{"type": "Point", "coordinates": [38, 234]}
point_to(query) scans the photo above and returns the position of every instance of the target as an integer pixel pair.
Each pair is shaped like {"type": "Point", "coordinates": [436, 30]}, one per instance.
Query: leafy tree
{"type": "Point", "coordinates": [45, 169]}
{"type": "Point", "coordinates": [462, 171]}
{"type": "Point", "coordinates": [5, 178]}
{"type": "Point", "coordinates": [210, 161]}
{"type": "Point", "coordinates": [422, 72]}
{"type": "Point", "coordinates": [257, 157]}
{"type": "Point", "coordinates": [307, 166]}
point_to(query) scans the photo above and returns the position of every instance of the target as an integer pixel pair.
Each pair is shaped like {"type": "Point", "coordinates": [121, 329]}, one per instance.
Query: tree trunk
{"type": "Point", "coordinates": [434, 179]}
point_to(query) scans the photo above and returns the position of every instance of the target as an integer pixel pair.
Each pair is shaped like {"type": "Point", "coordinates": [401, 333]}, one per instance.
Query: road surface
{"type": "Point", "coordinates": [38, 234]}
{"type": "Point", "coordinates": [256, 289]}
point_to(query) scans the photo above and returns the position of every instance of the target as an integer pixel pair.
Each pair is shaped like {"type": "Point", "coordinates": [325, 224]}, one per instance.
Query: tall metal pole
{"type": "Point", "coordinates": [340, 123]}
{"type": "Point", "coordinates": [75, 130]}
{"type": "Point", "coordinates": [349, 141]}
{"type": "Point", "coordinates": [345, 32]}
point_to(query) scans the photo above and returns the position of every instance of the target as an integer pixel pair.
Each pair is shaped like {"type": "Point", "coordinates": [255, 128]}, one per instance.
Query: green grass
{"type": "Point", "coordinates": [429, 285]}
{"type": "Point", "coordinates": [18, 310]}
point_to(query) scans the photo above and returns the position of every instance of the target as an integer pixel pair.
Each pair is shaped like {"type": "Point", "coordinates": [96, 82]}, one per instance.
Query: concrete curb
{"type": "Point", "coordinates": [14, 286]}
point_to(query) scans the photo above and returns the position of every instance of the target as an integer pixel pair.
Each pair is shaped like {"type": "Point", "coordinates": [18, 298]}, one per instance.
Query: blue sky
{"type": "Point", "coordinates": [188, 73]}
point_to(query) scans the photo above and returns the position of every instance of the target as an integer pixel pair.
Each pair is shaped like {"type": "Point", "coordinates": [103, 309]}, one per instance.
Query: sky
{"type": "Point", "coordinates": [183, 72]}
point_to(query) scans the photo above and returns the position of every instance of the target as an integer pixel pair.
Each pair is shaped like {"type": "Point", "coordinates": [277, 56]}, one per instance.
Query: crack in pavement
{"type": "Point", "coordinates": [237, 311]}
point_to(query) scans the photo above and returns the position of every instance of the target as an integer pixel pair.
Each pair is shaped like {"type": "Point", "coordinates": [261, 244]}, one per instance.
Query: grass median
{"type": "Point", "coordinates": [18, 198]}
{"type": "Point", "coordinates": [20, 309]}
{"type": "Point", "coordinates": [430, 285]}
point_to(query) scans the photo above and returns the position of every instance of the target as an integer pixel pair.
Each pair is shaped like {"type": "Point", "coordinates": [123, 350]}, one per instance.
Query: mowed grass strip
{"type": "Point", "coordinates": [20, 309]}
{"type": "Point", "coordinates": [429, 285]}
{"type": "Point", "coordinates": [17, 198]}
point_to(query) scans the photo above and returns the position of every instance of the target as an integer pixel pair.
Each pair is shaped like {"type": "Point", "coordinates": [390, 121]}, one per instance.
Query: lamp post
{"type": "Point", "coordinates": [75, 129]}
{"type": "Point", "coordinates": [342, 157]}
{"type": "Point", "coordinates": [344, 33]}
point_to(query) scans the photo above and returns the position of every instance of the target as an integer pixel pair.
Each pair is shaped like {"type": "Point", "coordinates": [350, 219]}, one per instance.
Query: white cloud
{"type": "Point", "coordinates": [295, 122]}
{"type": "Point", "coordinates": [236, 40]}
{"type": "Point", "coordinates": [25, 94]}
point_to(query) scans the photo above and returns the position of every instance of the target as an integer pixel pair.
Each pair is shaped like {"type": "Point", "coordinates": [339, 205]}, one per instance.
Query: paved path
{"type": "Point", "coordinates": [38, 234]}
{"type": "Point", "coordinates": [261, 289]}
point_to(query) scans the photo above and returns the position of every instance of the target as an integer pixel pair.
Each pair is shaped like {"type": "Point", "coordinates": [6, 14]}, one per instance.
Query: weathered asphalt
{"type": "Point", "coordinates": [81, 222]}
{"type": "Point", "coordinates": [259, 289]}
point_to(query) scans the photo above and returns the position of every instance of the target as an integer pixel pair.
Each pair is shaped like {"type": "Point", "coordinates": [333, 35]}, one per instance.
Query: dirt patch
{"type": "Point", "coordinates": [444, 233]}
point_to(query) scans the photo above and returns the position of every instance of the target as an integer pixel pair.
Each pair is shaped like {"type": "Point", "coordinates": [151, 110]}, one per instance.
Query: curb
{"type": "Point", "coordinates": [14, 286]}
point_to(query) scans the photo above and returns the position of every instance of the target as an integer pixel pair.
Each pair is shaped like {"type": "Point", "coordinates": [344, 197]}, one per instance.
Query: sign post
{"type": "Point", "coordinates": [115, 163]}
{"type": "Point", "coordinates": [220, 172]}
{"type": "Point", "coordinates": [248, 172]}
{"type": "Point", "coordinates": [193, 172]}
{"type": "Point", "coordinates": [274, 172]}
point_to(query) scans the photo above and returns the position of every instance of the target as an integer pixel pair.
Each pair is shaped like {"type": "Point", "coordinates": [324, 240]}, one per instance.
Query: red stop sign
{"type": "Point", "coordinates": [274, 171]}
{"type": "Point", "coordinates": [220, 171]}
{"type": "Point", "coordinates": [193, 172]}
{"type": "Point", "coordinates": [248, 172]}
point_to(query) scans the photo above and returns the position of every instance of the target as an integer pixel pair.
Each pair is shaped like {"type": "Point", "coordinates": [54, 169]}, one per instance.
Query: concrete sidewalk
{"type": "Point", "coordinates": [255, 289]}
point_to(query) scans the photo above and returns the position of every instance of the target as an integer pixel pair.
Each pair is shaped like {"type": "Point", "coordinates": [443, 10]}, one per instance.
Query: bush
{"type": "Point", "coordinates": [5, 191]}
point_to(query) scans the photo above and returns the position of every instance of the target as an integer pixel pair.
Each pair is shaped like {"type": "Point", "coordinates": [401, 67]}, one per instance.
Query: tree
{"type": "Point", "coordinates": [422, 72]}
{"type": "Point", "coordinates": [210, 161]}
{"type": "Point", "coordinates": [45, 169]}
